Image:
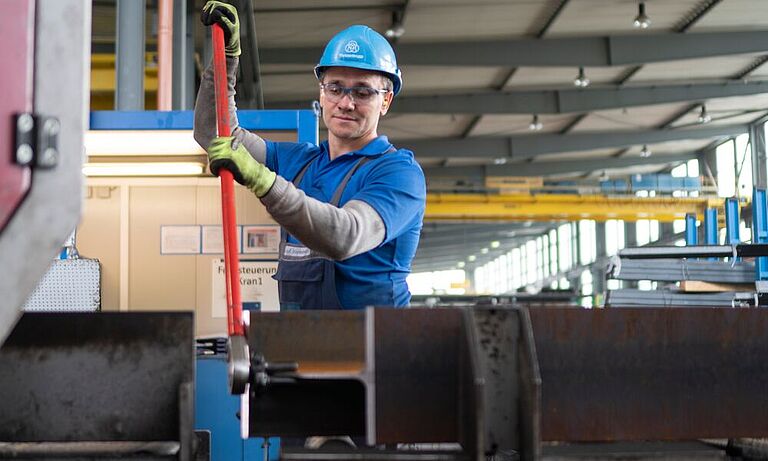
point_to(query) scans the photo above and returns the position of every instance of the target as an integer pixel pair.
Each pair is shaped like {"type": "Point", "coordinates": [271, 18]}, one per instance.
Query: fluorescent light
{"type": "Point", "coordinates": [147, 142]}
{"type": "Point", "coordinates": [144, 169]}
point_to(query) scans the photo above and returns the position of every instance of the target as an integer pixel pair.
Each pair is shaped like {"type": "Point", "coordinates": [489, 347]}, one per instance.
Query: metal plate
{"type": "Point", "coordinates": [652, 374]}
{"type": "Point", "coordinates": [70, 285]}
{"type": "Point", "coordinates": [95, 377]}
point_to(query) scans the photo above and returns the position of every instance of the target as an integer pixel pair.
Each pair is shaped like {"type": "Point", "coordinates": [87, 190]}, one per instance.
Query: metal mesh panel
{"type": "Point", "coordinates": [70, 285]}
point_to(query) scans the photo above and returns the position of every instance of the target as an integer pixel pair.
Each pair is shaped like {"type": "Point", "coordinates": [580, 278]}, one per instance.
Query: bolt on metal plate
{"type": "Point", "coordinates": [25, 139]}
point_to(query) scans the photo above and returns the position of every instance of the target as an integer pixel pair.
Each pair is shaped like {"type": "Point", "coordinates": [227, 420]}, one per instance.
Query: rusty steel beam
{"type": "Point", "coordinates": [652, 374]}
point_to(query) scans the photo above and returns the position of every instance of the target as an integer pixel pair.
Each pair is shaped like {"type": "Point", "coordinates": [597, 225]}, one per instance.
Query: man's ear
{"type": "Point", "coordinates": [387, 102]}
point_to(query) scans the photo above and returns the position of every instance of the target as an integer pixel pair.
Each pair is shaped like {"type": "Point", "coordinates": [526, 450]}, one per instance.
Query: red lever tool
{"type": "Point", "coordinates": [239, 364]}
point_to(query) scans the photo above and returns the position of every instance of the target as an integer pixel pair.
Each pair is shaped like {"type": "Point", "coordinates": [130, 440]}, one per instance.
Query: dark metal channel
{"type": "Point", "coordinates": [68, 377]}
{"type": "Point", "coordinates": [418, 374]}
{"type": "Point", "coordinates": [327, 395]}
{"type": "Point", "coordinates": [652, 374]}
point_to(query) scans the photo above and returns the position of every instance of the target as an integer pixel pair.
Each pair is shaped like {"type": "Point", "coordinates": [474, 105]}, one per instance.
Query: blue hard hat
{"type": "Point", "coordinates": [362, 48]}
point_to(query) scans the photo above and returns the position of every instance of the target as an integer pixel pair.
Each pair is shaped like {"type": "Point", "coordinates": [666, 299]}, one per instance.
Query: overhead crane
{"type": "Point", "coordinates": [562, 207]}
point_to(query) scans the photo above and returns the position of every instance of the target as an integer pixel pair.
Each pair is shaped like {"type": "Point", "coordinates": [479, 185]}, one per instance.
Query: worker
{"type": "Point", "coordinates": [351, 208]}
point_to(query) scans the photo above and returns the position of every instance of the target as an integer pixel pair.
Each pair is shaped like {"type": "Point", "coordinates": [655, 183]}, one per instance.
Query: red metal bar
{"type": "Point", "coordinates": [231, 264]}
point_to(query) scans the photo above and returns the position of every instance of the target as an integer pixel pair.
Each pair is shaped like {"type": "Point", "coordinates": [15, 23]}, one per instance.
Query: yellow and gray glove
{"type": "Point", "coordinates": [224, 14]}
{"type": "Point", "coordinates": [245, 169]}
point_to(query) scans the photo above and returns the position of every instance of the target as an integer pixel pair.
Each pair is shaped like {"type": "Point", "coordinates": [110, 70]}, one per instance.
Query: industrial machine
{"type": "Point", "coordinates": [72, 385]}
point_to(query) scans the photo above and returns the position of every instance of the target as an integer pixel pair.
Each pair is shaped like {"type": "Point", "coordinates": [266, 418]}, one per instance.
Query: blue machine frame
{"type": "Point", "coordinates": [305, 122]}
{"type": "Point", "coordinates": [215, 409]}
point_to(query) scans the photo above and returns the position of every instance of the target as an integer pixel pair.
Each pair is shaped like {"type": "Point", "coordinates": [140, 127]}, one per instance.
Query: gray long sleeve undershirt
{"type": "Point", "coordinates": [339, 233]}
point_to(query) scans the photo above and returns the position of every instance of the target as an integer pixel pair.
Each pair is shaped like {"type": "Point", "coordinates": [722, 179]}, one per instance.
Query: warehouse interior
{"type": "Point", "coordinates": [596, 177]}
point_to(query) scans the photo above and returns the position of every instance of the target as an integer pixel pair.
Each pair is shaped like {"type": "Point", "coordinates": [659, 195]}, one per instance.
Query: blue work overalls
{"type": "Point", "coordinates": [306, 279]}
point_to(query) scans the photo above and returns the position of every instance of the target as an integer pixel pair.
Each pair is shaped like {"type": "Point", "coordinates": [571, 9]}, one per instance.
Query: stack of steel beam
{"type": "Point", "coordinates": [673, 298]}
{"type": "Point", "coordinates": [673, 270]}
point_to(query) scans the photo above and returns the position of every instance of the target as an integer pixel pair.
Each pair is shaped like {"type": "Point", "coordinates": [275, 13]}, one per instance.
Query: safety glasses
{"type": "Point", "coordinates": [359, 94]}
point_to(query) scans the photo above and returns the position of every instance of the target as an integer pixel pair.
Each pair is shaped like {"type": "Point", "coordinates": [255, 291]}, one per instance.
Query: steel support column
{"type": "Point", "coordinates": [598, 270]}
{"type": "Point", "coordinates": [129, 66]}
{"type": "Point", "coordinates": [760, 230]}
{"type": "Point", "coordinates": [183, 43]}
{"type": "Point", "coordinates": [759, 163]}
{"type": "Point", "coordinates": [732, 221]}
{"type": "Point", "coordinates": [710, 226]}
{"type": "Point", "coordinates": [691, 232]}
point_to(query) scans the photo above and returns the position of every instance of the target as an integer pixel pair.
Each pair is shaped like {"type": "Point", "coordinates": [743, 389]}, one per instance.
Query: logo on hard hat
{"type": "Point", "coordinates": [351, 47]}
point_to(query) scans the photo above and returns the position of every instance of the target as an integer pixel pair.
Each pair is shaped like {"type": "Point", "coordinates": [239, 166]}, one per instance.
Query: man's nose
{"type": "Point", "coordinates": [346, 101]}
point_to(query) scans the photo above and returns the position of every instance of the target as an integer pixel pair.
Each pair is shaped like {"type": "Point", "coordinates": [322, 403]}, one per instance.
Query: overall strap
{"type": "Point", "coordinates": [303, 170]}
{"type": "Point", "coordinates": [339, 190]}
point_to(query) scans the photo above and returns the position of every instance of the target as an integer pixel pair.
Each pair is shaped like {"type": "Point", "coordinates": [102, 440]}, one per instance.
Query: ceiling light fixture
{"type": "Point", "coordinates": [499, 161]}
{"type": "Point", "coordinates": [581, 80]}
{"type": "Point", "coordinates": [471, 258]}
{"type": "Point", "coordinates": [642, 21]}
{"type": "Point", "coordinates": [461, 264]}
{"type": "Point", "coordinates": [535, 124]}
{"type": "Point", "coordinates": [704, 116]}
{"type": "Point", "coordinates": [645, 152]}
{"type": "Point", "coordinates": [144, 169]}
{"type": "Point", "coordinates": [396, 30]}
{"type": "Point", "coordinates": [495, 244]}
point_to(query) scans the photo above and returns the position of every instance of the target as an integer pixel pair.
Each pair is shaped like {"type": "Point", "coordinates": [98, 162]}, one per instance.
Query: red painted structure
{"type": "Point", "coordinates": [17, 83]}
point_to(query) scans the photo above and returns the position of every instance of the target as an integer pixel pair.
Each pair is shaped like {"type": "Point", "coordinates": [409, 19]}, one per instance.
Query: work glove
{"type": "Point", "coordinates": [224, 14]}
{"type": "Point", "coordinates": [245, 169]}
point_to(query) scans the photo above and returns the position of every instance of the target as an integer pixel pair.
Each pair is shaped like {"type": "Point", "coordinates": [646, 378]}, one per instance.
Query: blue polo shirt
{"type": "Point", "coordinates": [393, 184]}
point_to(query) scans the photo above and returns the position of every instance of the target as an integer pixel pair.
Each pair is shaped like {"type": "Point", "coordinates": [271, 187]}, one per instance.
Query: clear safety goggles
{"type": "Point", "coordinates": [359, 94]}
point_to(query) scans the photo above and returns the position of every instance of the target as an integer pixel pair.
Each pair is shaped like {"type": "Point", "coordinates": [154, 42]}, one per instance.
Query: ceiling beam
{"type": "Point", "coordinates": [701, 10]}
{"type": "Point", "coordinates": [528, 146]}
{"type": "Point", "coordinates": [611, 50]}
{"type": "Point", "coordinates": [563, 101]}
{"type": "Point", "coordinates": [477, 174]}
{"type": "Point", "coordinates": [573, 100]}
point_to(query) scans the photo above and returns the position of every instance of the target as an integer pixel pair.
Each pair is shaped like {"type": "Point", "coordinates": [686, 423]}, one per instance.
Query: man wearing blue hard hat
{"type": "Point", "coordinates": [352, 207]}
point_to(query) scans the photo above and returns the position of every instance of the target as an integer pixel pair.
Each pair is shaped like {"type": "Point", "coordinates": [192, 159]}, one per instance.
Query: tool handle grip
{"type": "Point", "coordinates": [231, 263]}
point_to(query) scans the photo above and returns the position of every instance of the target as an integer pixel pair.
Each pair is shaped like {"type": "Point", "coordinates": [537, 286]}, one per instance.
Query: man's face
{"type": "Point", "coordinates": [349, 117]}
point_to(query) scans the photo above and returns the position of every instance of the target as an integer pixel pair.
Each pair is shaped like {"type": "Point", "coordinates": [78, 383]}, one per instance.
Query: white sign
{"type": "Point", "coordinates": [213, 240]}
{"type": "Point", "coordinates": [179, 240]}
{"type": "Point", "coordinates": [261, 239]}
{"type": "Point", "coordinates": [258, 289]}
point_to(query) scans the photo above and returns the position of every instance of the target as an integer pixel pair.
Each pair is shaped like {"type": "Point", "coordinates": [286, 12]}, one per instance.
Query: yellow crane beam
{"type": "Point", "coordinates": [562, 207]}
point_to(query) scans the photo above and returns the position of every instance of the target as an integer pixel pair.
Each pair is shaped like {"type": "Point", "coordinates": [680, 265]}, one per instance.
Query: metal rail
{"type": "Point", "coordinates": [701, 251]}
